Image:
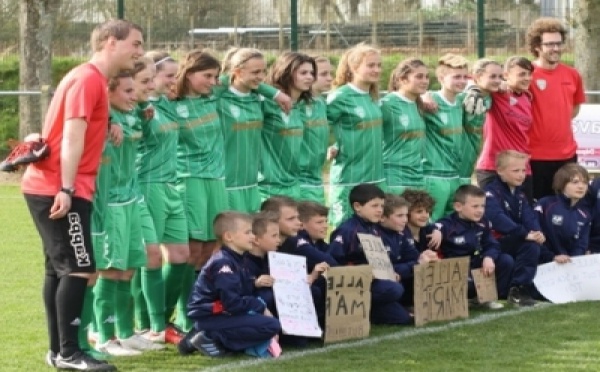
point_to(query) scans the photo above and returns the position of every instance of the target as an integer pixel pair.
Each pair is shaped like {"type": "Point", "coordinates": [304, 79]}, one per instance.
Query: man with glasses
{"type": "Point", "coordinates": [557, 95]}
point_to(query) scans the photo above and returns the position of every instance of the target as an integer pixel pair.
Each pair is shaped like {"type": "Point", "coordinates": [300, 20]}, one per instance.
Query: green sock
{"type": "Point", "coordinates": [124, 310]}
{"type": "Point", "coordinates": [153, 287]}
{"type": "Point", "coordinates": [173, 276]}
{"type": "Point", "coordinates": [142, 321]}
{"type": "Point", "coordinates": [87, 315]}
{"type": "Point", "coordinates": [181, 318]}
{"type": "Point", "coordinates": [105, 293]}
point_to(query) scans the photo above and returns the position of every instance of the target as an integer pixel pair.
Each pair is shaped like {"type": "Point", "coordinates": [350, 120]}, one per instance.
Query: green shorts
{"type": "Point", "coordinates": [166, 208]}
{"type": "Point", "coordinates": [148, 230]}
{"type": "Point", "coordinates": [203, 199]}
{"type": "Point", "coordinates": [339, 205]}
{"type": "Point", "coordinates": [442, 190]}
{"type": "Point", "coordinates": [314, 193]}
{"type": "Point", "coordinates": [124, 248]}
{"type": "Point", "coordinates": [465, 181]}
{"type": "Point", "coordinates": [244, 199]}
{"type": "Point", "coordinates": [266, 191]}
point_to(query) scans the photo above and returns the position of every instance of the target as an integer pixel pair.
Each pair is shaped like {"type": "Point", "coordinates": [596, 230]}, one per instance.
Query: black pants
{"type": "Point", "coordinates": [543, 175]}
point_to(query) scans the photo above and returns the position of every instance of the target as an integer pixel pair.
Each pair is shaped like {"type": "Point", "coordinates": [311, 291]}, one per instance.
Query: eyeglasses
{"type": "Point", "coordinates": [554, 44]}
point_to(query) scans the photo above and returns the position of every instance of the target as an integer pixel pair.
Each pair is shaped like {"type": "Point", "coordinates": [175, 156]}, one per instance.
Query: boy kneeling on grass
{"type": "Point", "coordinates": [465, 232]}
{"type": "Point", "coordinates": [367, 202]}
{"type": "Point", "coordinates": [226, 314]}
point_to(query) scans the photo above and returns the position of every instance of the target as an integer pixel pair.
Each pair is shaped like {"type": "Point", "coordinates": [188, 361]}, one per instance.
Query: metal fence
{"type": "Point", "coordinates": [419, 27]}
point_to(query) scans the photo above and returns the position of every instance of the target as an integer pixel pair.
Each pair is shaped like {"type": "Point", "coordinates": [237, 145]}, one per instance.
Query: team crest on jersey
{"type": "Point", "coordinates": [459, 240]}
{"type": "Point", "coordinates": [309, 111]}
{"type": "Point", "coordinates": [444, 118]}
{"type": "Point", "coordinates": [404, 120]}
{"type": "Point", "coordinates": [557, 219]}
{"type": "Point", "coordinates": [235, 111]}
{"type": "Point", "coordinates": [360, 112]}
{"type": "Point", "coordinates": [183, 111]}
{"type": "Point", "coordinates": [285, 117]}
{"type": "Point", "coordinates": [513, 101]}
{"type": "Point", "coordinates": [541, 83]}
{"type": "Point", "coordinates": [130, 120]}
{"type": "Point", "coordinates": [225, 270]}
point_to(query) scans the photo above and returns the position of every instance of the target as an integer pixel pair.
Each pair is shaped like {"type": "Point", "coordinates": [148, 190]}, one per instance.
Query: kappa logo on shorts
{"type": "Point", "coordinates": [541, 83]}
{"type": "Point", "coordinates": [557, 219]}
{"type": "Point", "coordinates": [77, 241]}
{"type": "Point", "coordinates": [404, 120]}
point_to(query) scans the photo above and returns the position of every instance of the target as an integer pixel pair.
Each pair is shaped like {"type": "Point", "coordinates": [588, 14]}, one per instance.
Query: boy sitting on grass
{"type": "Point", "coordinates": [226, 313]}
{"type": "Point", "coordinates": [423, 233]}
{"type": "Point", "coordinates": [367, 202]}
{"type": "Point", "coordinates": [465, 232]}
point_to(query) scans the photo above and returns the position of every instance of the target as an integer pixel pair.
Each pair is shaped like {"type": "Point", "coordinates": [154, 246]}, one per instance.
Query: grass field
{"type": "Point", "coordinates": [549, 338]}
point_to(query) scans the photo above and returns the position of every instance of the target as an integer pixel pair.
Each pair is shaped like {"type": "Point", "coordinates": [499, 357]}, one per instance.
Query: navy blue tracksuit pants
{"type": "Point", "coordinates": [385, 303]}
{"type": "Point", "coordinates": [239, 332]}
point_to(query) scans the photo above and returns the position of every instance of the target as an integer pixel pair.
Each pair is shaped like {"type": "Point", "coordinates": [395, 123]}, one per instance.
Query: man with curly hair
{"type": "Point", "coordinates": [557, 95]}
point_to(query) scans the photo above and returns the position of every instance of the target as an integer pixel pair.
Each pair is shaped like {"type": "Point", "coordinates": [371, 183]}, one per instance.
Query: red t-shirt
{"type": "Point", "coordinates": [506, 127]}
{"type": "Point", "coordinates": [555, 93]}
{"type": "Point", "coordinates": [82, 93]}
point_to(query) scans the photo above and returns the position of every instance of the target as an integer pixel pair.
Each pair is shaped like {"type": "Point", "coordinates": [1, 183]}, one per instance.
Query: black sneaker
{"type": "Point", "coordinates": [184, 347]}
{"type": "Point", "coordinates": [25, 153]}
{"type": "Point", "coordinates": [82, 362]}
{"type": "Point", "coordinates": [207, 346]}
{"type": "Point", "coordinates": [51, 358]}
{"type": "Point", "coordinates": [519, 295]}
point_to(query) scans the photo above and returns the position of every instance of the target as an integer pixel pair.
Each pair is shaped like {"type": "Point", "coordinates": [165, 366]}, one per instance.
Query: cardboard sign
{"type": "Point", "coordinates": [377, 256]}
{"type": "Point", "coordinates": [577, 280]}
{"type": "Point", "coordinates": [485, 286]}
{"type": "Point", "coordinates": [348, 303]}
{"type": "Point", "coordinates": [293, 298]}
{"type": "Point", "coordinates": [441, 290]}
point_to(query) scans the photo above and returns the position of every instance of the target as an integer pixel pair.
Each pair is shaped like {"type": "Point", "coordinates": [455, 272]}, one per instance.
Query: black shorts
{"type": "Point", "coordinates": [67, 241]}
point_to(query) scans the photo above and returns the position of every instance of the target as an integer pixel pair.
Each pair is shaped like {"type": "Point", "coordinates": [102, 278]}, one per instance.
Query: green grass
{"type": "Point", "coordinates": [551, 338]}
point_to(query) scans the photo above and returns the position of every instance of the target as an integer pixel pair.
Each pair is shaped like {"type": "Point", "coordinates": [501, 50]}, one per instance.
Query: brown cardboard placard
{"type": "Point", "coordinates": [377, 256]}
{"type": "Point", "coordinates": [441, 290]}
{"type": "Point", "coordinates": [485, 286]}
{"type": "Point", "coordinates": [348, 303]}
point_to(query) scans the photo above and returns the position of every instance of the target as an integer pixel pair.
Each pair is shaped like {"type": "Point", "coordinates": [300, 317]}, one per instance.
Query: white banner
{"type": "Point", "coordinates": [293, 298]}
{"type": "Point", "coordinates": [578, 280]}
{"type": "Point", "coordinates": [586, 128]}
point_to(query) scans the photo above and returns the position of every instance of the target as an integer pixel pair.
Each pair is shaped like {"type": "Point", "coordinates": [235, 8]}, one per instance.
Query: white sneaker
{"type": "Point", "coordinates": [114, 348]}
{"type": "Point", "coordinates": [493, 305]}
{"type": "Point", "coordinates": [137, 342]}
{"type": "Point", "coordinates": [157, 337]}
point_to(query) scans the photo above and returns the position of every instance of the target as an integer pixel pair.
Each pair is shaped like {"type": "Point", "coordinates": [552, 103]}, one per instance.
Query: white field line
{"type": "Point", "coordinates": [375, 340]}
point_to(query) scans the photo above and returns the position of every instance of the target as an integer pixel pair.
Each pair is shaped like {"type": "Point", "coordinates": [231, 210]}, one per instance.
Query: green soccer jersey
{"type": "Point", "coordinates": [103, 181]}
{"type": "Point", "coordinates": [123, 166]}
{"type": "Point", "coordinates": [403, 141]}
{"type": "Point", "coordinates": [201, 145]}
{"type": "Point", "coordinates": [158, 147]}
{"type": "Point", "coordinates": [241, 120]}
{"type": "Point", "coordinates": [472, 137]}
{"type": "Point", "coordinates": [443, 136]}
{"type": "Point", "coordinates": [314, 142]}
{"type": "Point", "coordinates": [281, 144]}
{"type": "Point", "coordinates": [357, 126]}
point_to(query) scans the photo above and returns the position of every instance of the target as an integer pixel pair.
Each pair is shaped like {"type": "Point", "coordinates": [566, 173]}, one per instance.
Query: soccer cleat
{"type": "Point", "coordinates": [51, 358]}
{"type": "Point", "coordinates": [83, 362]}
{"type": "Point", "coordinates": [184, 347]}
{"type": "Point", "coordinates": [173, 334]}
{"type": "Point", "coordinates": [25, 153]}
{"type": "Point", "coordinates": [520, 296]}
{"type": "Point", "coordinates": [207, 346]}
{"type": "Point", "coordinates": [137, 342]}
{"type": "Point", "coordinates": [158, 337]}
{"type": "Point", "coordinates": [114, 348]}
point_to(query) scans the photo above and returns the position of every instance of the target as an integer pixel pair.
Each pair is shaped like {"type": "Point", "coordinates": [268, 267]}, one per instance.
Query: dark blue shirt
{"type": "Point", "coordinates": [509, 213]}
{"type": "Point", "coordinates": [467, 238]}
{"type": "Point", "coordinates": [593, 204]}
{"type": "Point", "coordinates": [401, 248]}
{"type": "Point", "coordinates": [344, 245]}
{"type": "Point", "coordinates": [566, 227]}
{"type": "Point", "coordinates": [302, 245]}
{"type": "Point", "coordinates": [224, 287]}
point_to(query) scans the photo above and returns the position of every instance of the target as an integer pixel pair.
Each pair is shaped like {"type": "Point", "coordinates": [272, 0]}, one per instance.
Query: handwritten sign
{"type": "Point", "coordinates": [377, 256]}
{"type": "Point", "coordinates": [485, 286]}
{"type": "Point", "coordinates": [586, 129]}
{"type": "Point", "coordinates": [293, 298]}
{"type": "Point", "coordinates": [578, 280]}
{"type": "Point", "coordinates": [441, 290]}
{"type": "Point", "coordinates": [348, 303]}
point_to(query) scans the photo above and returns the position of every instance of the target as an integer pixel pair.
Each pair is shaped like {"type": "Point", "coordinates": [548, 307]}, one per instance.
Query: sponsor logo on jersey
{"type": "Point", "coordinates": [541, 83]}
{"type": "Point", "coordinates": [235, 111]}
{"type": "Point", "coordinates": [557, 219]}
{"type": "Point", "coordinates": [459, 240]}
{"type": "Point", "coordinates": [404, 120]}
{"type": "Point", "coordinates": [360, 112]}
{"type": "Point", "coordinates": [183, 111]}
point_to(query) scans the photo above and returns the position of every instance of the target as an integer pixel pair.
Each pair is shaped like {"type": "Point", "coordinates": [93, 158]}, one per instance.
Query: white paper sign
{"type": "Point", "coordinates": [293, 298]}
{"type": "Point", "coordinates": [578, 280]}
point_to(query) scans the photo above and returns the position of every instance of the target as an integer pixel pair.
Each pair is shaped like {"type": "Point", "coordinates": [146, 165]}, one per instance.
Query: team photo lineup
{"type": "Point", "coordinates": [158, 187]}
